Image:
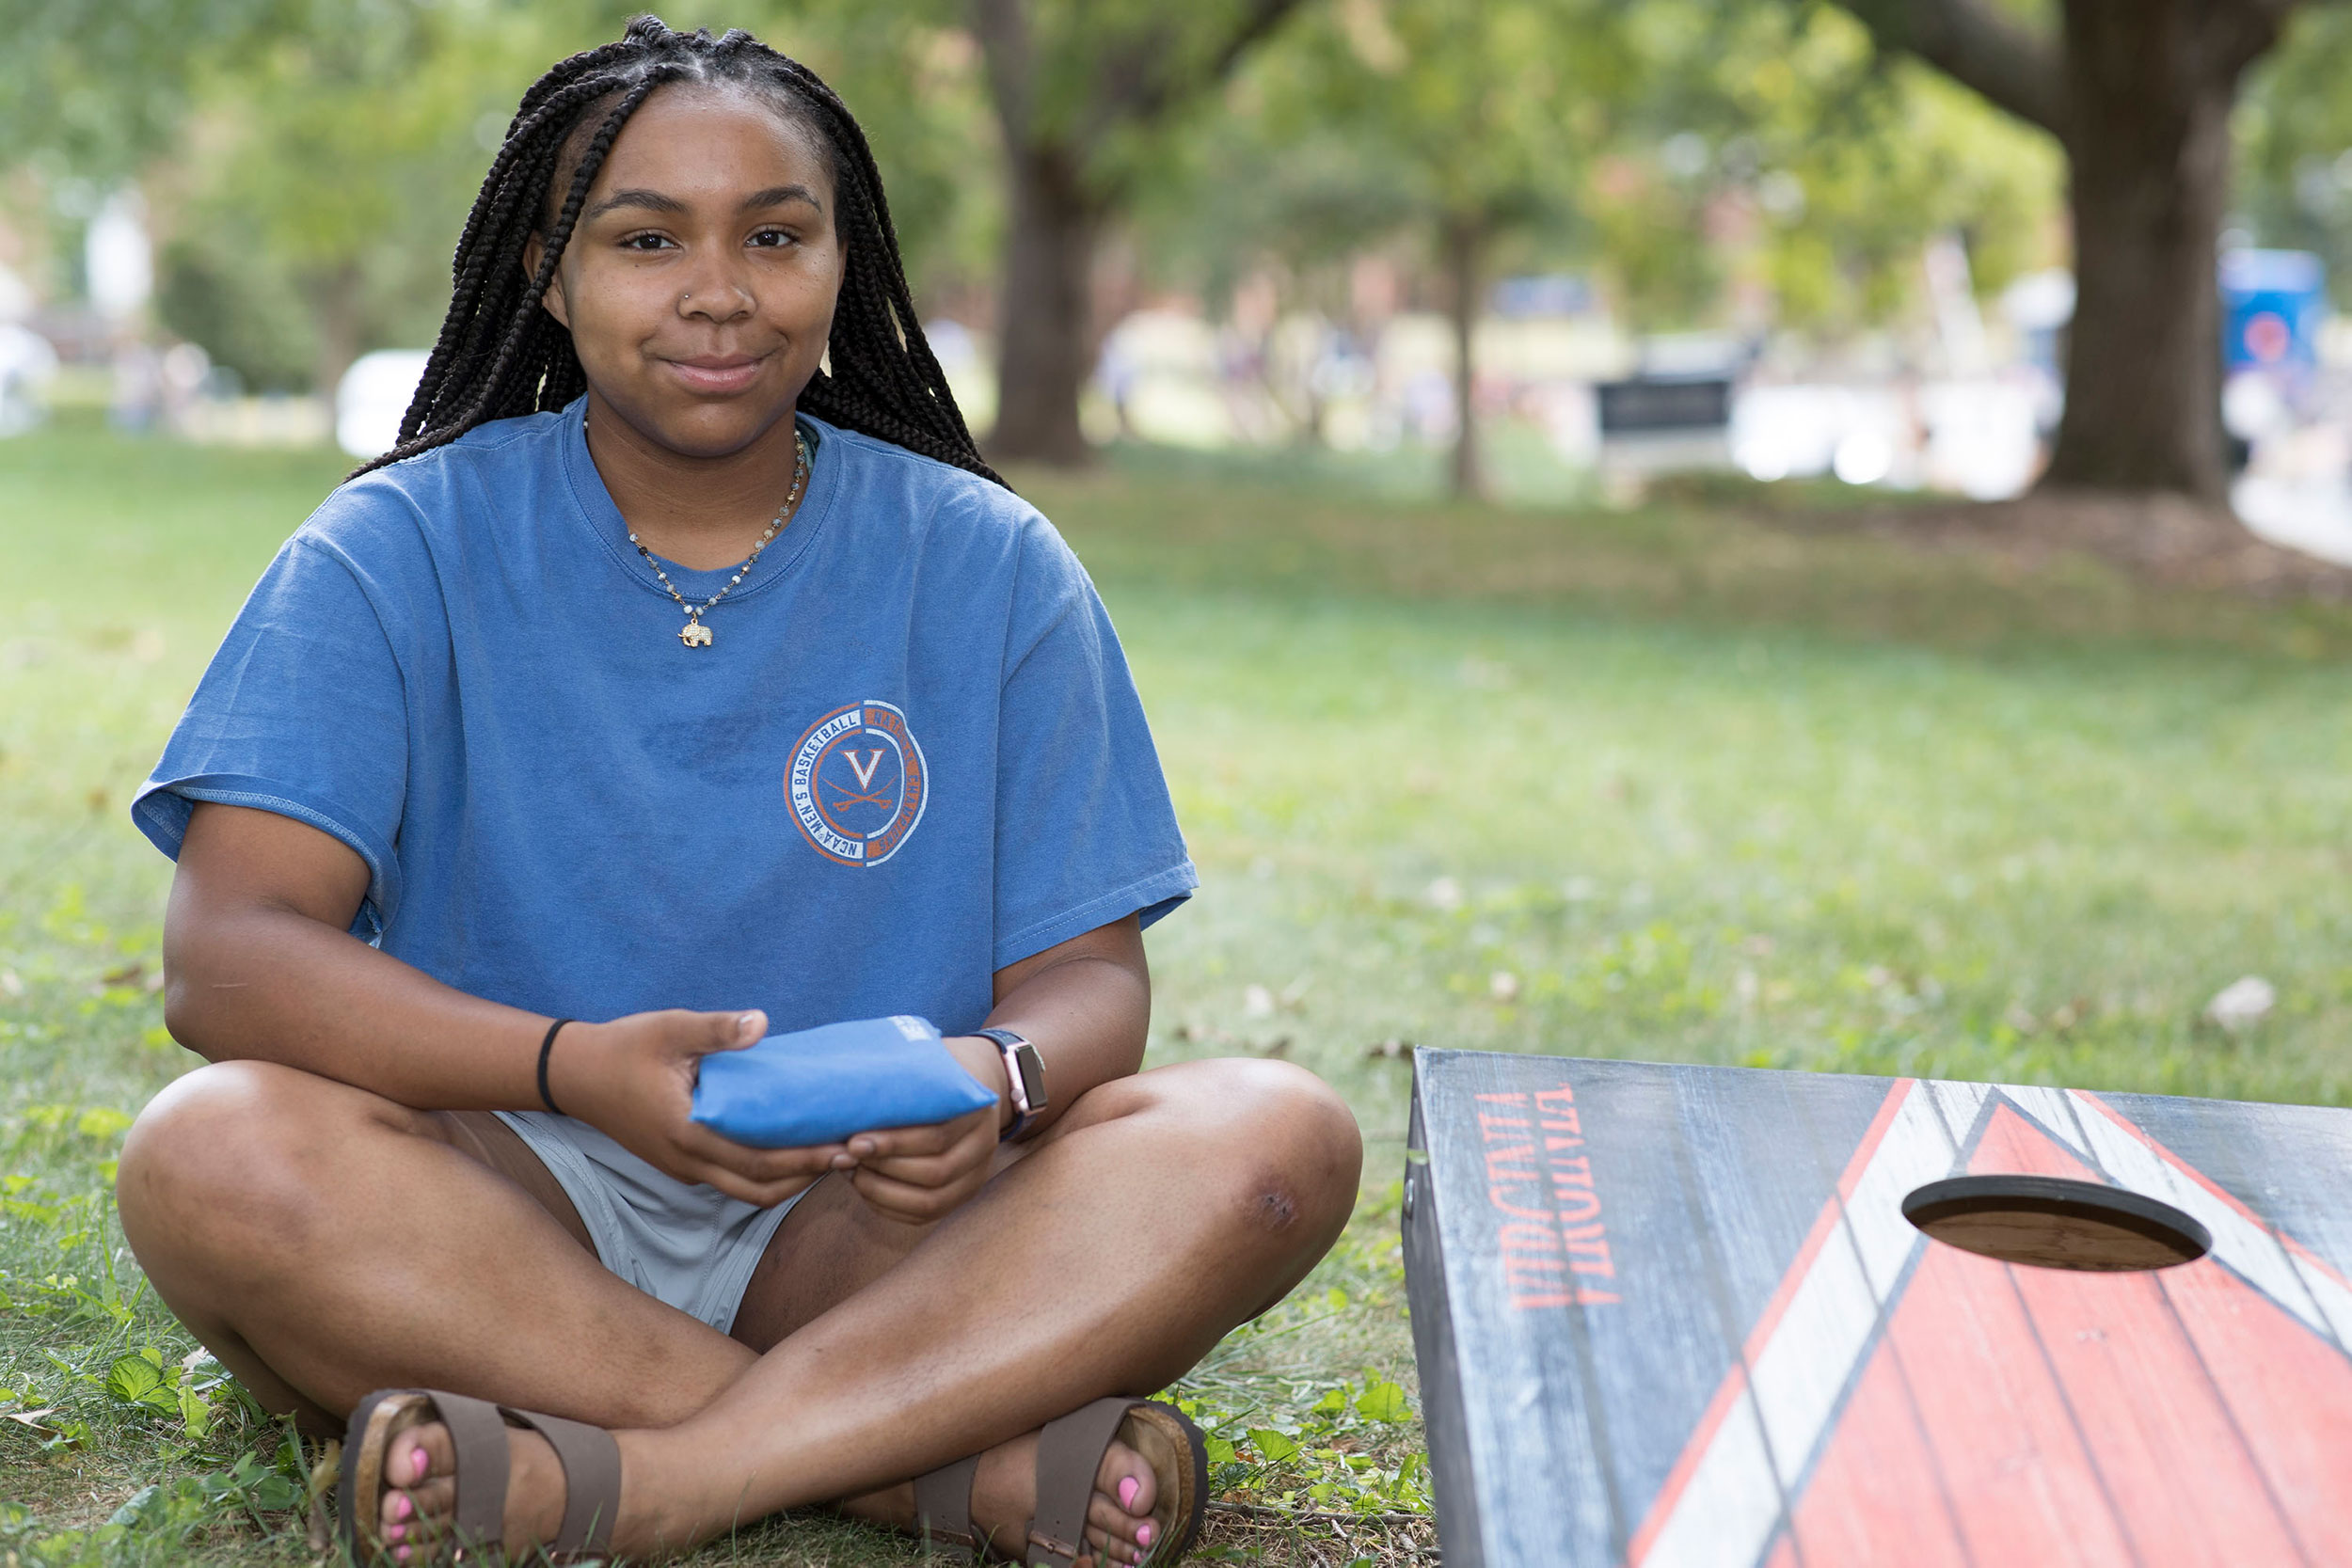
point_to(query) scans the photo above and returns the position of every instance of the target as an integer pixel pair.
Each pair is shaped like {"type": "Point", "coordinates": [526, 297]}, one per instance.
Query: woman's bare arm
{"type": "Point", "coordinates": [1084, 1004]}
{"type": "Point", "coordinates": [259, 964]}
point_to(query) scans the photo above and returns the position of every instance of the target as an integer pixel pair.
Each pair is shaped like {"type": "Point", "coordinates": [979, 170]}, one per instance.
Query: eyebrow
{"type": "Point", "coordinates": [651, 201]}
{"type": "Point", "coordinates": [775, 195]}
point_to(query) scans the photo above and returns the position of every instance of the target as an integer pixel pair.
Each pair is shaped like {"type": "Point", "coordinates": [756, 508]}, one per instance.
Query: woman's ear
{"type": "Point", "coordinates": [535, 251]}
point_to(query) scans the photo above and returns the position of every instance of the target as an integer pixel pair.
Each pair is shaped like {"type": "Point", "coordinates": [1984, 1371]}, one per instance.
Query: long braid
{"type": "Point", "coordinates": [524, 162]}
{"type": "Point", "coordinates": [499, 353]}
{"type": "Point", "coordinates": [531, 332]}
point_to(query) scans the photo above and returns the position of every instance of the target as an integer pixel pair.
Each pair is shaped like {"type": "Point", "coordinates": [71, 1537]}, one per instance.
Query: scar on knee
{"type": "Point", "coordinates": [1275, 1207]}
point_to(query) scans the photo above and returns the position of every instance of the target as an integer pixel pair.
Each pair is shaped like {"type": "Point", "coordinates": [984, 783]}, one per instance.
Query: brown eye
{"type": "Point", "coordinates": [645, 242]}
{"type": "Point", "coordinates": [769, 239]}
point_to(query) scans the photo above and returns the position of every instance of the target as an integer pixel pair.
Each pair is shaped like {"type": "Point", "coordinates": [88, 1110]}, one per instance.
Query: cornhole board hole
{"type": "Point", "coordinates": [1694, 1316]}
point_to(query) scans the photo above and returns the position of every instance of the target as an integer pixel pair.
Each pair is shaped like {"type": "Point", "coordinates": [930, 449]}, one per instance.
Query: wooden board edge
{"type": "Point", "coordinates": [1446, 1428]}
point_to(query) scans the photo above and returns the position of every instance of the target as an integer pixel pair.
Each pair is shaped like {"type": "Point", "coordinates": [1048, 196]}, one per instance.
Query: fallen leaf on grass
{"type": "Point", "coordinates": [2242, 1004]}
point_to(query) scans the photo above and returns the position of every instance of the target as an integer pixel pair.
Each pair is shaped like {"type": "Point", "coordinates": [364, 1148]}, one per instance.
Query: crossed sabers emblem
{"type": "Point", "coordinates": [864, 772]}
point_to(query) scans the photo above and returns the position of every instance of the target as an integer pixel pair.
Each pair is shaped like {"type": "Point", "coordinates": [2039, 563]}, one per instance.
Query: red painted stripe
{"type": "Point", "coordinates": [1876, 1496]}
{"type": "Point", "coordinates": [2025, 1416]}
{"type": "Point", "coordinates": [2290, 1391]}
{"type": "Point", "coordinates": [1736, 1381]}
{"type": "Point", "coordinates": [2001, 1459]}
{"type": "Point", "coordinates": [2315, 1259]}
{"type": "Point", "coordinates": [2164, 1443]}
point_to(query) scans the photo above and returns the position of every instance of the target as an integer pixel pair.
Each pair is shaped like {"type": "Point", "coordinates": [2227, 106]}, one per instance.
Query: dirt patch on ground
{"type": "Point", "coordinates": [2165, 538]}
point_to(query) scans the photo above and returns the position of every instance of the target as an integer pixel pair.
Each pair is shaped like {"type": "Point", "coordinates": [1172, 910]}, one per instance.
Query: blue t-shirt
{"type": "Point", "coordinates": [910, 756]}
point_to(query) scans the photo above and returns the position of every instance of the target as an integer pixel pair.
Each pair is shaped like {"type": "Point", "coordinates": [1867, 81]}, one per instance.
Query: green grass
{"type": "Point", "coordinates": [1667, 782]}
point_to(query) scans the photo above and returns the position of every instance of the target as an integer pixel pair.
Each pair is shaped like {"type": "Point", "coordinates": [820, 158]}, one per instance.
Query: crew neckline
{"type": "Point", "coordinates": [785, 554]}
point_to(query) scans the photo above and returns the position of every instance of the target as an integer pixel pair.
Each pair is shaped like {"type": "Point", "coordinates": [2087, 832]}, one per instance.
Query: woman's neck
{"type": "Point", "coordinates": [702, 513]}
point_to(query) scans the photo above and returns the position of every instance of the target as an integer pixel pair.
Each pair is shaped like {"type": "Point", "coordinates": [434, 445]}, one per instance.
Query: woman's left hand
{"type": "Point", "coordinates": [921, 1174]}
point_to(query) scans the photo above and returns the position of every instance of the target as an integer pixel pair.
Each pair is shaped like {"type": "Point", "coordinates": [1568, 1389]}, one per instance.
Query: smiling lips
{"type": "Point", "coordinates": [718, 374]}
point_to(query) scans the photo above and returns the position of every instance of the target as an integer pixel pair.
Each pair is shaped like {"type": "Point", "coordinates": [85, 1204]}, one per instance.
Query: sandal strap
{"type": "Point", "coordinates": [943, 1508]}
{"type": "Point", "coordinates": [1069, 1456]}
{"type": "Point", "coordinates": [351, 1498]}
{"type": "Point", "coordinates": [477, 1438]}
{"type": "Point", "coordinates": [592, 1478]}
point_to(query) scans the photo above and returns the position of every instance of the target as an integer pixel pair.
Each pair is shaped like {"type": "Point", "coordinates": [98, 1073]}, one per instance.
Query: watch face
{"type": "Point", "coordinates": [1032, 1074]}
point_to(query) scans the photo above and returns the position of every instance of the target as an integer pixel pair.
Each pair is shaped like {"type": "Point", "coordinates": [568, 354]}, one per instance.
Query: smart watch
{"type": "Point", "coordinates": [1024, 1076]}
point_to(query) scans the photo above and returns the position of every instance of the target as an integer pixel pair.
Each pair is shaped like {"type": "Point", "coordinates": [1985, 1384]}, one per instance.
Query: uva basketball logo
{"type": "Point", "coordinates": [858, 785]}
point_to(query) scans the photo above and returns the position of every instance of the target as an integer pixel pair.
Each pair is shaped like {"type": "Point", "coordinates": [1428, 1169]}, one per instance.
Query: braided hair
{"type": "Point", "coordinates": [500, 355]}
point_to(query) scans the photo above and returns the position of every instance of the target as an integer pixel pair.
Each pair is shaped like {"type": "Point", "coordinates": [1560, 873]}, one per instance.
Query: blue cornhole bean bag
{"type": "Point", "coordinates": [821, 1086]}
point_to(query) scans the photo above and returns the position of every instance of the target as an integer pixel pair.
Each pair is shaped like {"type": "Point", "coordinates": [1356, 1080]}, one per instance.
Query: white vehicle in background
{"type": "Point", "coordinates": [373, 395]}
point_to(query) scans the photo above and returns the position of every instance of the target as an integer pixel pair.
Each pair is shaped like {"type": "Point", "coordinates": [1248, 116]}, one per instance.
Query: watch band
{"type": "Point", "coordinates": [1024, 1080]}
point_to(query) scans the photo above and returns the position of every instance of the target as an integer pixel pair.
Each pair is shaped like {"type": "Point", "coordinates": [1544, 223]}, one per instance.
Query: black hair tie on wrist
{"type": "Point", "coordinates": [546, 1046]}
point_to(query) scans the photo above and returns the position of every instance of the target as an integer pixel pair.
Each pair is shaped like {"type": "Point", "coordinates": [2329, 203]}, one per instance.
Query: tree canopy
{"type": "Point", "coordinates": [1759, 165]}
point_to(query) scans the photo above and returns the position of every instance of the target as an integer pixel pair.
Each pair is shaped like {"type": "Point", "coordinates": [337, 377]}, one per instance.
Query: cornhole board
{"type": "Point", "coordinates": [1677, 1316]}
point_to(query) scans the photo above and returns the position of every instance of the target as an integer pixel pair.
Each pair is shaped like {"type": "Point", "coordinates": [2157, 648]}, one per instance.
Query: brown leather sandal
{"type": "Point", "coordinates": [1069, 1456]}
{"type": "Point", "coordinates": [477, 1432]}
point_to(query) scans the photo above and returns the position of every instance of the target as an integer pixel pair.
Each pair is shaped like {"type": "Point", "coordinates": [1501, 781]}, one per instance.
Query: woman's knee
{"type": "Point", "coordinates": [1287, 1141]}
{"type": "Point", "coordinates": [233, 1147]}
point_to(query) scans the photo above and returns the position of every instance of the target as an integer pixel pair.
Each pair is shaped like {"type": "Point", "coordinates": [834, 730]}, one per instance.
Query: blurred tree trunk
{"type": "Point", "coordinates": [1465, 252]}
{"type": "Point", "coordinates": [335, 315]}
{"type": "Point", "coordinates": [1059, 206]}
{"type": "Point", "coordinates": [2139, 93]}
{"type": "Point", "coordinates": [2147, 136]}
{"type": "Point", "coordinates": [1045, 316]}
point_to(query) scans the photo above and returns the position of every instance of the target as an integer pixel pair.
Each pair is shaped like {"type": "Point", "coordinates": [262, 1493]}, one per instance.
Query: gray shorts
{"type": "Point", "coordinates": [691, 1246]}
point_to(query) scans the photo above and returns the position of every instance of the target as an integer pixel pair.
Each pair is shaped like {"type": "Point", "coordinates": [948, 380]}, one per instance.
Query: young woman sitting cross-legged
{"type": "Point", "coordinates": [662, 681]}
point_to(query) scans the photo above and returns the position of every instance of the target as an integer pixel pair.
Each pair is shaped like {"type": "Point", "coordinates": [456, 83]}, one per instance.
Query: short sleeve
{"type": "Point", "coordinates": [1086, 833]}
{"type": "Point", "coordinates": [302, 712]}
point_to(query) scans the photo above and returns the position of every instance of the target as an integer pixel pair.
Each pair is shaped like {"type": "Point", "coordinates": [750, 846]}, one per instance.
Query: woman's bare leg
{"type": "Point", "coordinates": [835, 1244]}
{"type": "Point", "coordinates": [1159, 1212]}
{"type": "Point", "coordinates": [325, 1242]}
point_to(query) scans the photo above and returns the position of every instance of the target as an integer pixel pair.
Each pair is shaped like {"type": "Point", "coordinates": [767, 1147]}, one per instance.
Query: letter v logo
{"type": "Point", "coordinates": [865, 771]}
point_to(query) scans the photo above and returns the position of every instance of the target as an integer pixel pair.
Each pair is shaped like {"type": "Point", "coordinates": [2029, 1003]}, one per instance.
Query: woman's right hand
{"type": "Point", "coordinates": [633, 1079]}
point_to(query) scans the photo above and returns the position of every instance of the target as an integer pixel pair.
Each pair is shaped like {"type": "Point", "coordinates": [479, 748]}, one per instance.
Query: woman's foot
{"type": "Point", "coordinates": [419, 1499]}
{"type": "Point", "coordinates": [1120, 1528]}
{"type": "Point", "coordinates": [420, 1492]}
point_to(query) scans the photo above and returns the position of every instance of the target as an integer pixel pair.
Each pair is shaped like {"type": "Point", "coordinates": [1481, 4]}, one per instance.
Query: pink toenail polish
{"type": "Point", "coordinates": [1144, 1534]}
{"type": "Point", "coordinates": [404, 1506]}
{"type": "Point", "coordinates": [396, 1532]}
{"type": "Point", "coordinates": [1127, 1493]}
{"type": "Point", "coordinates": [400, 1554]}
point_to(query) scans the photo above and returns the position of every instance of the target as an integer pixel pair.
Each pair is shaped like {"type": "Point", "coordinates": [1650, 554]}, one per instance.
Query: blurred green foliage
{"type": "Point", "coordinates": [1844, 162]}
{"type": "Point", "coordinates": [1707, 160]}
{"type": "Point", "coordinates": [2294, 130]}
{"type": "Point", "coordinates": [308, 162]}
